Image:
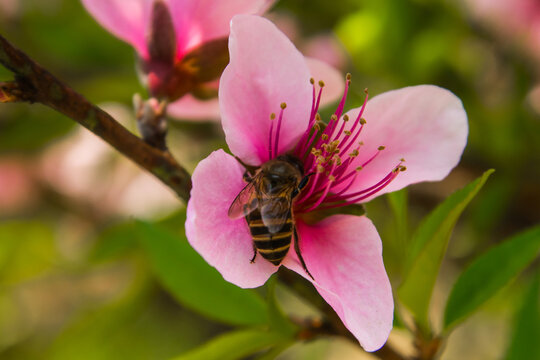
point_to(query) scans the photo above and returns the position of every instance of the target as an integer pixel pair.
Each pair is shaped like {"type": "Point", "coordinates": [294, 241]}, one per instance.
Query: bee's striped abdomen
{"type": "Point", "coordinates": [272, 247]}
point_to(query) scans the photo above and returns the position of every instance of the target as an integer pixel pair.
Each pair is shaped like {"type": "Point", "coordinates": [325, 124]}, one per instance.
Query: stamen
{"type": "Point", "coordinates": [341, 105]}
{"type": "Point", "coordinates": [379, 149]}
{"type": "Point", "coordinates": [381, 185]}
{"type": "Point", "coordinates": [276, 143]}
{"type": "Point", "coordinates": [331, 180]}
{"type": "Point", "coordinates": [270, 153]}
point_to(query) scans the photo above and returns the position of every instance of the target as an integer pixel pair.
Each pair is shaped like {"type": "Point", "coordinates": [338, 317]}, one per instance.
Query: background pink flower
{"type": "Point", "coordinates": [426, 125]}
{"type": "Point", "coordinates": [194, 23]}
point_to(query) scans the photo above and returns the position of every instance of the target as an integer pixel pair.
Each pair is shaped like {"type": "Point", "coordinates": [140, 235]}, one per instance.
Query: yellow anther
{"type": "Point", "coordinates": [331, 178]}
{"type": "Point", "coordinates": [324, 137]}
{"type": "Point", "coordinates": [272, 116]}
{"type": "Point", "coordinates": [321, 83]}
{"type": "Point", "coordinates": [354, 153]}
{"type": "Point", "coordinates": [283, 105]}
{"type": "Point", "coordinates": [345, 117]}
{"type": "Point", "coordinates": [320, 168]}
{"type": "Point", "coordinates": [347, 132]}
{"type": "Point", "coordinates": [348, 76]}
{"type": "Point", "coordinates": [363, 121]}
{"type": "Point", "coordinates": [359, 168]}
{"type": "Point", "coordinates": [380, 148]}
{"type": "Point", "coordinates": [312, 81]}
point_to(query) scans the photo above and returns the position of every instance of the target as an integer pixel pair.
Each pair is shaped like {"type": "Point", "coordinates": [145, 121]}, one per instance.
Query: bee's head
{"type": "Point", "coordinates": [280, 173]}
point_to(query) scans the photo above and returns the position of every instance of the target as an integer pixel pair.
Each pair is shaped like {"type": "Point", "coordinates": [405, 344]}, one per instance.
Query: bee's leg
{"type": "Point", "coordinates": [254, 254]}
{"type": "Point", "coordinates": [247, 177]}
{"type": "Point", "coordinates": [302, 184]}
{"type": "Point", "coordinates": [297, 250]}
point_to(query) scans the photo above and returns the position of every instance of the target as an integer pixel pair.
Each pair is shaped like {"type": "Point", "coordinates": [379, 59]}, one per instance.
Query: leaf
{"type": "Point", "coordinates": [489, 273]}
{"type": "Point", "coordinates": [427, 250]}
{"type": "Point", "coordinates": [278, 321]}
{"type": "Point", "coordinates": [524, 343]}
{"type": "Point", "coordinates": [196, 284]}
{"type": "Point", "coordinates": [235, 345]}
{"type": "Point", "coordinates": [114, 241]}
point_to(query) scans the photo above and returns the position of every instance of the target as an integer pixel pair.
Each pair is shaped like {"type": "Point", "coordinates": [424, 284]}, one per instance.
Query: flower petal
{"type": "Point", "coordinates": [426, 125]}
{"type": "Point", "coordinates": [127, 20]}
{"type": "Point", "coordinates": [224, 243]}
{"type": "Point", "coordinates": [265, 70]}
{"type": "Point", "coordinates": [344, 255]}
{"type": "Point", "coordinates": [197, 21]}
{"type": "Point", "coordinates": [334, 81]}
{"type": "Point", "coordinates": [190, 108]}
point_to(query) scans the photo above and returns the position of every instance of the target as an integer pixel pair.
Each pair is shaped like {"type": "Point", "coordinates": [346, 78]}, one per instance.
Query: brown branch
{"type": "Point", "coordinates": [35, 84]}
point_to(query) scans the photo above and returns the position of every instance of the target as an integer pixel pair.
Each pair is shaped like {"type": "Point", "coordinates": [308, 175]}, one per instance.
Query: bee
{"type": "Point", "coordinates": [266, 204]}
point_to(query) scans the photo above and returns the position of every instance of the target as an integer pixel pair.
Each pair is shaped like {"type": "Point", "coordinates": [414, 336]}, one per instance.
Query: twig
{"type": "Point", "coordinates": [35, 84]}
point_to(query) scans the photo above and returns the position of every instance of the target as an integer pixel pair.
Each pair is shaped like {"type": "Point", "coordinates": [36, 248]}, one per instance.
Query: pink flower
{"type": "Point", "coordinates": [178, 42]}
{"type": "Point", "coordinates": [425, 125]}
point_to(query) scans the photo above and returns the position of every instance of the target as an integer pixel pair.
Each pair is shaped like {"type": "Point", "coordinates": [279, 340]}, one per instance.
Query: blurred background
{"type": "Point", "coordinates": [75, 282]}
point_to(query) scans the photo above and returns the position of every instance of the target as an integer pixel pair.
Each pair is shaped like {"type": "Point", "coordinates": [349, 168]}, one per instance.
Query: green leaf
{"type": "Point", "coordinates": [489, 273]}
{"type": "Point", "coordinates": [278, 321]}
{"type": "Point", "coordinates": [427, 250]}
{"type": "Point", "coordinates": [196, 284]}
{"type": "Point", "coordinates": [524, 343]}
{"type": "Point", "coordinates": [235, 345]}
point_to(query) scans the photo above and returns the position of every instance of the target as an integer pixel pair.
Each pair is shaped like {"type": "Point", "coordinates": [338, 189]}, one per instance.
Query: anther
{"type": "Point", "coordinates": [321, 83]}
{"type": "Point", "coordinates": [272, 116]}
{"type": "Point", "coordinates": [347, 132]}
{"type": "Point", "coordinates": [333, 117]}
{"type": "Point", "coordinates": [359, 168]}
{"type": "Point", "coordinates": [283, 105]}
{"type": "Point", "coordinates": [345, 117]}
{"type": "Point", "coordinates": [318, 117]}
{"type": "Point", "coordinates": [402, 168]}
{"type": "Point", "coordinates": [348, 76]}
{"type": "Point", "coordinates": [312, 81]}
{"type": "Point", "coordinates": [363, 121]}
{"type": "Point", "coordinates": [361, 143]}
{"type": "Point", "coordinates": [402, 159]}
{"type": "Point", "coordinates": [320, 168]}
{"type": "Point", "coordinates": [324, 137]}
{"type": "Point", "coordinates": [354, 153]}
{"type": "Point", "coordinates": [331, 178]}
{"type": "Point", "coordinates": [380, 148]}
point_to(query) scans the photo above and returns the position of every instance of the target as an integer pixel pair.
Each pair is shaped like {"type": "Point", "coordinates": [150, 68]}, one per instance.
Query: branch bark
{"type": "Point", "coordinates": [33, 83]}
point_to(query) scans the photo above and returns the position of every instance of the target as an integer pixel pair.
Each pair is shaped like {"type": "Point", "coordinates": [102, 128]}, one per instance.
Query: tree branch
{"type": "Point", "coordinates": [35, 84]}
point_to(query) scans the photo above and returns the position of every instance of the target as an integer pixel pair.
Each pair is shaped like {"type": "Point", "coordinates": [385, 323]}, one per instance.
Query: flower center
{"type": "Point", "coordinates": [330, 155]}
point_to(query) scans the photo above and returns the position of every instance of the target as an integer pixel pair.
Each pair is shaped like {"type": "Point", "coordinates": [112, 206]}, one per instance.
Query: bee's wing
{"type": "Point", "coordinates": [276, 211]}
{"type": "Point", "coordinates": [245, 202]}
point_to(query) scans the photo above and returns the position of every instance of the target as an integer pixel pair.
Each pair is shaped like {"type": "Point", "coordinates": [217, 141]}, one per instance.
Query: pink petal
{"type": "Point", "coordinates": [344, 255]}
{"type": "Point", "coordinates": [126, 19]}
{"type": "Point", "coordinates": [191, 108]}
{"type": "Point", "coordinates": [197, 21]}
{"type": "Point", "coordinates": [426, 125]}
{"type": "Point", "coordinates": [224, 243]}
{"type": "Point", "coordinates": [334, 81]}
{"type": "Point", "coordinates": [265, 70]}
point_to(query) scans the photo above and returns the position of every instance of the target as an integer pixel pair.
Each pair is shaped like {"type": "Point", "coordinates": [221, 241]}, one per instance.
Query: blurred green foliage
{"type": "Point", "coordinates": [78, 281]}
